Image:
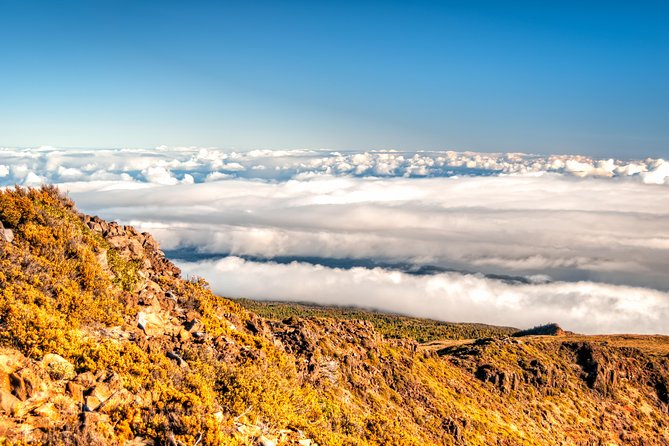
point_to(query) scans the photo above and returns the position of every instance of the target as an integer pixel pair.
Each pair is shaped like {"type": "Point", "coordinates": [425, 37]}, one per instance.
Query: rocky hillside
{"type": "Point", "coordinates": [102, 342]}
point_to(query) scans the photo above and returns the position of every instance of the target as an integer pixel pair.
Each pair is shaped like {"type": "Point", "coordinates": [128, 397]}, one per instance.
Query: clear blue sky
{"type": "Point", "coordinates": [541, 76]}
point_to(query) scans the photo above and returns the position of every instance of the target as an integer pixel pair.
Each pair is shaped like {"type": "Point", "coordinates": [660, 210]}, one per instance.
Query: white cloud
{"type": "Point", "coordinates": [659, 173]}
{"type": "Point", "coordinates": [584, 307]}
{"type": "Point", "coordinates": [562, 218]}
{"type": "Point", "coordinates": [157, 165]}
{"type": "Point", "coordinates": [569, 229]}
{"type": "Point", "coordinates": [217, 176]}
{"type": "Point", "coordinates": [19, 171]}
{"type": "Point", "coordinates": [159, 175]}
{"type": "Point", "coordinates": [32, 179]}
{"type": "Point", "coordinates": [69, 173]}
{"type": "Point", "coordinates": [232, 167]}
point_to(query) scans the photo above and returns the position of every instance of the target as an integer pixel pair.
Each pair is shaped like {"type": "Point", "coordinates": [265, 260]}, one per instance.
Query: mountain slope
{"type": "Point", "coordinates": [390, 325]}
{"type": "Point", "coordinates": [104, 343]}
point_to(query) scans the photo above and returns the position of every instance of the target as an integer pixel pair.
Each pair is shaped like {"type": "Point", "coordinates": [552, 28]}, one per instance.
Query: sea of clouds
{"type": "Point", "coordinates": [508, 239]}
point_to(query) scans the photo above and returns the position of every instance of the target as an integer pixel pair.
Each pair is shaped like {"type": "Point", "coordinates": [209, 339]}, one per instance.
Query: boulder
{"type": "Point", "coordinates": [121, 397]}
{"type": "Point", "coordinates": [8, 402]}
{"type": "Point", "coordinates": [6, 235]}
{"type": "Point", "coordinates": [23, 408]}
{"type": "Point", "coordinates": [117, 241]}
{"type": "Point", "coordinates": [153, 287]}
{"type": "Point", "coordinates": [47, 411]}
{"type": "Point", "coordinates": [10, 361]}
{"type": "Point", "coordinates": [24, 383]}
{"type": "Point", "coordinates": [264, 441]}
{"type": "Point", "coordinates": [179, 360]}
{"type": "Point", "coordinates": [101, 257]}
{"type": "Point", "coordinates": [150, 242]}
{"type": "Point", "coordinates": [98, 427]}
{"type": "Point", "coordinates": [86, 379]}
{"type": "Point", "coordinates": [91, 403]}
{"type": "Point", "coordinates": [184, 335]}
{"type": "Point", "coordinates": [98, 396]}
{"type": "Point", "coordinates": [135, 248]}
{"type": "Point", "coordinates": [90, 418]}
{"type": "Point", "coordinates": [95, 226]}
{"type": "Point", "coordinates": [76, 391]}
{"type": "Point", "coordinates": [151, 322]}
{"type": "Point", "coordinates": [58, 367]}
{"type": "Point", "coordinates": [193, 325]}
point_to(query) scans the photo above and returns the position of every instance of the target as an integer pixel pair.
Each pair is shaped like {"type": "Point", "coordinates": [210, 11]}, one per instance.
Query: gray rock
{"type": "Point", "coordinates": [180, 361]}
{"type": "Point", "coordinates": [6, 235]}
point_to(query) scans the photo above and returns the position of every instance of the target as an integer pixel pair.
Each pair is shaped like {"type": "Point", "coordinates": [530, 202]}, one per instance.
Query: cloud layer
{"type": "Point", "coordinates": [581, 306]}
{"type": "Point", "coordinates": [590, 236]}
{"type": "Point", "coordinates": [170, 166]}
{"type": "Point", "coordinates": [565, 228]}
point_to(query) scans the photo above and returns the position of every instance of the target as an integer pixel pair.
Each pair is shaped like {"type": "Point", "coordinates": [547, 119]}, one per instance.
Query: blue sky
{"type": "Point", "coordinates": [562, 77]}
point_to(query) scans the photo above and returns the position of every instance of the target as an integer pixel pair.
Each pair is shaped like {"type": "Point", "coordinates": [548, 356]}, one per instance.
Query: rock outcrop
{"type": "Point", "coordinates": [133, 245]}
{"type": "Point", "coordinates": [6, 235]}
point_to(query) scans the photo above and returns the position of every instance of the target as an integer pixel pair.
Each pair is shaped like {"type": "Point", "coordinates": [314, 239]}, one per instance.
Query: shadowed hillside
{"type": "Point", "coordinates": [545, 330]}
{"type": "Point", "coordinates": [102, 342]}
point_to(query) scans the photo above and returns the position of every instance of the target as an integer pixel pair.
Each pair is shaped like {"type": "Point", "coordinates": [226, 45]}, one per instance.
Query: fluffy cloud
{"type": "Point", "coordinates": [164, 165]}
{"type": "Point", "coordinates": [584, 307]}
{"type": "Point", "coordinates": [159, 175]}
{"type": "Point", "coordinates": [582, 232]}
{"type": "Point", "coordinates": [565, 228]}
{"type": "Point", "coordinates": [659, 173]}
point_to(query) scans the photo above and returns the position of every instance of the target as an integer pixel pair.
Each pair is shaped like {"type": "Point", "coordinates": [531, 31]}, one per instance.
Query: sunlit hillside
{"type": "Point", "coordinates": [103, 342]}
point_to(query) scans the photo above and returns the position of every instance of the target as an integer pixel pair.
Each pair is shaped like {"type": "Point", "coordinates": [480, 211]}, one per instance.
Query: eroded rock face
{"type": "Point", "coordinates": [504, 380]}
{"type": "Point", "coordinates": [163, 321]}
{"type": "Point", "coordinates": [542, 375]}
{"type": "Point", "coordinates": [134, 245]}
{"type": "Point", "coordinates": [512, 367]}
{"type": "Point", "coordinates": [659, 379]}
{"type": "Point", "coordinates": [661, 384]}
{"type": "Point", "coordinates": [598, 372]}
{"type": "Point", "coordinates": [328, 348]}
